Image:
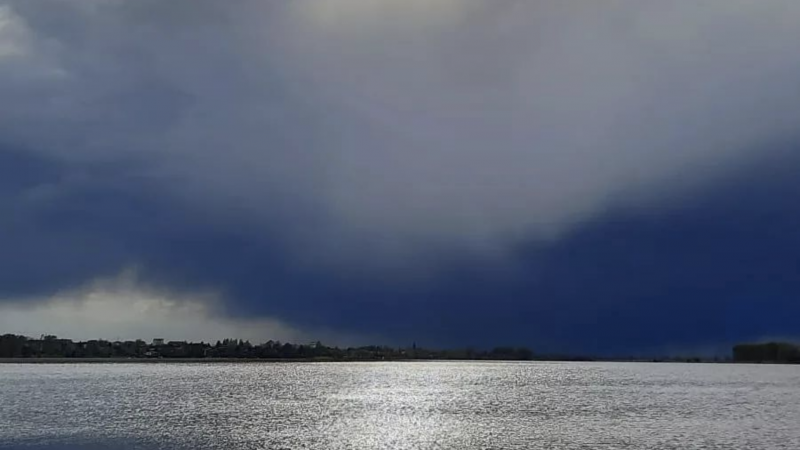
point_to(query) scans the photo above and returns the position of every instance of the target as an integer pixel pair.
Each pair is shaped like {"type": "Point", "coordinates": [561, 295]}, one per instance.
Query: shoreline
{"type": "Point", "coordinates": [58, 360]}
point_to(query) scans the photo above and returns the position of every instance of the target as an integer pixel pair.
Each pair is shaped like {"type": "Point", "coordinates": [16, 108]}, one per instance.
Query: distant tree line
{"type": "Point", "coordinates": [769, 352]}
{"type": "Point", "coordinates": [48, 346]}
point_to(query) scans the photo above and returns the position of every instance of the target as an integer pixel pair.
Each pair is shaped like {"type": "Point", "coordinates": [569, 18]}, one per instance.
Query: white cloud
{"type": "Point", "coordinates": [123, 308]}
{"type": "Point", "coordinates": [399, 128]}
{"type": "Point", "coordinates": [13, 34]}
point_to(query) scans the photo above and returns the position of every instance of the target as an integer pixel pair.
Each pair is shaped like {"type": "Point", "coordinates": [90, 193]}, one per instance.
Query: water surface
{"type": "Point", "coordinates": [419, 405]}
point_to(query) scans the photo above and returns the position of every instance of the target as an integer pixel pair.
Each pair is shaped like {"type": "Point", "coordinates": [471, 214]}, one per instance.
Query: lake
{"type": "Point", "coordinates": [410, 405]}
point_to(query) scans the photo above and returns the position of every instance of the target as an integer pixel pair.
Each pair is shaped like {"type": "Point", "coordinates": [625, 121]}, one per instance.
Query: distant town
{"type": "Point", "coordinates": [51, 347]}
{"type": "Point", "coordinates": [48, 346]}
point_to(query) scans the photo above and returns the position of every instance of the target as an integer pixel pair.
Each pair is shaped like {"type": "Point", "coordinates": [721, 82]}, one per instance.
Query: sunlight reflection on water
{"type": "Point", "coordinates": [453, 405]}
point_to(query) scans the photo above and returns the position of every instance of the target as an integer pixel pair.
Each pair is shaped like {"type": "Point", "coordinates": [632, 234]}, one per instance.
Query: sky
{"type": "Point", "coordinates": [611, 177]}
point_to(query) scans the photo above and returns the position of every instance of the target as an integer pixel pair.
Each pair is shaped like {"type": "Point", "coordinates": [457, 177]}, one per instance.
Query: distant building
{"type": "Point", "coordinates": [158, 341]}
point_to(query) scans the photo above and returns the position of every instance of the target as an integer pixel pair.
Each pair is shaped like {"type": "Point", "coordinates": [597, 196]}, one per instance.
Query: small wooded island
{"type": "Point", "coordinates": [769, 352]}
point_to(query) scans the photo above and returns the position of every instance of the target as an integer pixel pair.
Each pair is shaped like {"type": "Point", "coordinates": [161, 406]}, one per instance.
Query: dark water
{"type": "Point", "coordinates": [400, 406]}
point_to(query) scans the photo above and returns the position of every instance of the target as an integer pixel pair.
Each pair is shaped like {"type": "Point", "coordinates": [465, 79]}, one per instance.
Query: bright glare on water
{"type": "Point", "coordinates": [418, 405]}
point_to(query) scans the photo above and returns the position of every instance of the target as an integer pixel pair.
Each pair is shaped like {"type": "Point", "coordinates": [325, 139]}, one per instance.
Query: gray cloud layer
{"type": "Point", "coordinates": [385, 131]}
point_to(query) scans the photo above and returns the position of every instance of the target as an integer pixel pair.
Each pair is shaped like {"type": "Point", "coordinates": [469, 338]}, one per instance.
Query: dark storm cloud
{"type": "Point", "coordinates": [716, 269]}
{"type": "Point", "coordinates": [64, 224]}
{"type": "Point", "coordinates": [377, 166]}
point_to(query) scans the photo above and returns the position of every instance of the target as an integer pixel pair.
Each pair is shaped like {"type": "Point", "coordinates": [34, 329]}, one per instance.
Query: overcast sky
{"type": "Point", "coordinates": [610, 176]}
